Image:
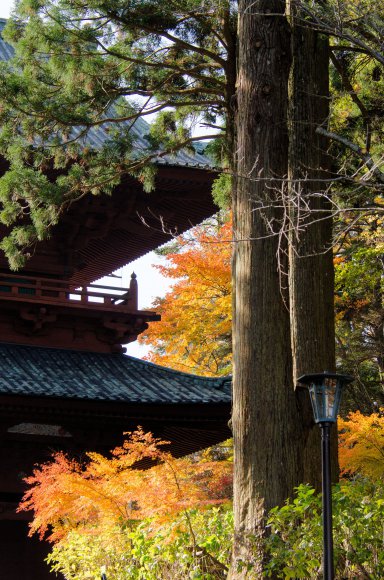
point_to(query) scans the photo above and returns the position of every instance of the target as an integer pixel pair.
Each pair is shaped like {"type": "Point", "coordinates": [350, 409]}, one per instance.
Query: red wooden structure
{"type": "Point", "coordinates": [53, 312]}
{"type": "Point", "coordinates": [64, 382]}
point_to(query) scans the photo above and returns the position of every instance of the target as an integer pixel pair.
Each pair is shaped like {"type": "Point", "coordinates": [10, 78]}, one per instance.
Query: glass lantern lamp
{"type": "Point", "coordinates": [325, 391]}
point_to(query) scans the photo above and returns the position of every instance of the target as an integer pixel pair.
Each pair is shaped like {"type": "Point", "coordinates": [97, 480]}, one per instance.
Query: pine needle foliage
{"type": "Point", "coordinates": [86, 66]}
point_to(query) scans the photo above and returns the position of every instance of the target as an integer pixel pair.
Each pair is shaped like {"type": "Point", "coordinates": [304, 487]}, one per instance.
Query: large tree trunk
{"type": "Point", "coordinates": [265, 416]}
{"type": "Point", "coordinates": [311, 281]}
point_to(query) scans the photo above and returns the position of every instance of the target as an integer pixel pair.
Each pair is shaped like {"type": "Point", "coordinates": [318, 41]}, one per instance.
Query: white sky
{"type": "Point", "coordinates": [5, 8]}
{"type": "Point", "coordinates": [150, 282]}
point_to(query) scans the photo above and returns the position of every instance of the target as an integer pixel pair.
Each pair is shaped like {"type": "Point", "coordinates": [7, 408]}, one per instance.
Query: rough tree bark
{"type": "Point", "coordinates": [311, 278]}
{"type": "Point", "coordinates": [265, 414]}
{"type": "Point", "coordinates": [276, 443]}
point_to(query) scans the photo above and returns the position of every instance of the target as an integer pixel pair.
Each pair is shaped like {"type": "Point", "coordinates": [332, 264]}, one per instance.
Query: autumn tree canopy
{"type": "Point", "coordinates": [359, 308]}
{"type": "Point", "coordinates": [140, 480]}
{"type": "Point", "coordinates": [194, 334]}
{"type": "Point", "coordinates": [362, 445]}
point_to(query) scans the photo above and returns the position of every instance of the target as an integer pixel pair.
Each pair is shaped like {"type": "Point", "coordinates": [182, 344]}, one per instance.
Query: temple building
{"type": "Point", "coordinates": [65, 382]}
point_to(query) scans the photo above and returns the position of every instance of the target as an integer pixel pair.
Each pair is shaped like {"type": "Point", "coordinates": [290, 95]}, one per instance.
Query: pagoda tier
{"type": "Point", "coordinates": [55, 399]}
{"type": "Point", "coordinates": [51, 312]}
{"type": "Point", "coordinates": [98, 234]}
{"type": "Point", "coordinates": [52, 301]}
{"type": "Point", "coordinates": [111, 393]}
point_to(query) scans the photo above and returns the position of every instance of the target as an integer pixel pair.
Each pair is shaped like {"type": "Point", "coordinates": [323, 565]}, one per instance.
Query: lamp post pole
{"type": "Point", "coordinates": [325, 391]}
{"type": "Point", "coordinates": [329, 573]}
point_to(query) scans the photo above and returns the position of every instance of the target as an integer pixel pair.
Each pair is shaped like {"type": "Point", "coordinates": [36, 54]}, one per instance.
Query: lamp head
{"type": "Point", "coordinates": [325, 392]}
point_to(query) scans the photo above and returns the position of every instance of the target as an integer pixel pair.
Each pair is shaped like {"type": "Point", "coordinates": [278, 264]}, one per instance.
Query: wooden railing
{"type": "Point", "coordinates": [60, 292]}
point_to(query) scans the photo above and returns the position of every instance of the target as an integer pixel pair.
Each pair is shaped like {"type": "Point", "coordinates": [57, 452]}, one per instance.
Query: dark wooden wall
{"type": "Point", "coordinates": [22, 558]}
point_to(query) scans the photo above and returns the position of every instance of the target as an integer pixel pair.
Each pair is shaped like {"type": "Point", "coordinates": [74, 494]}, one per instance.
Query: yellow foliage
{"type": "Point", "coordinates": [194, 334]}
{"type": "Point", "coordinates": [361, 444]}
{"type": "Point", "coordinates": [139, 481]}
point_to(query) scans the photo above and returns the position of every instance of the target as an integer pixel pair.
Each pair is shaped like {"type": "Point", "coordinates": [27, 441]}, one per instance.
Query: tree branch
{"type": "Point", "coordinates": [364, 156]}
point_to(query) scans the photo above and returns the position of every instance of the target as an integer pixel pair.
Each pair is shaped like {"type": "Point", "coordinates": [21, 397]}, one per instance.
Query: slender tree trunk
{"type": "Point", "coordinates": [264, 407]}
{"type": "Point", "coordinates": [311, 278]}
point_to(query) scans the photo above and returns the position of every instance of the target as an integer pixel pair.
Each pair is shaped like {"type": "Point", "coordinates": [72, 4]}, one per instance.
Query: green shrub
{"type": "Point", "coordinates": [195, 547]}
{"type": "Point", "coordinates": [294, 544]}
{"type": "Point", "coordinates": [199, 547]}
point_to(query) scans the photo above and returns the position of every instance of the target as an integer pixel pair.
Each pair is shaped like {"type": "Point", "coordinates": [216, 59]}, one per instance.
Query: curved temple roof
{"type": "Point", "coordinates": [49, 372]}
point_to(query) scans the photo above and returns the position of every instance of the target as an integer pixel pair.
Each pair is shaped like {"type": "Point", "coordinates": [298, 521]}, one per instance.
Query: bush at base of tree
{"type": "Point", "coordinates": [173, 520]}
{"type": "Point", "coordinates": [199, 548]}
{"type": "Point", "coordinates": [171, 552]}
{"type": "Point", "coordinates": [295, 543]}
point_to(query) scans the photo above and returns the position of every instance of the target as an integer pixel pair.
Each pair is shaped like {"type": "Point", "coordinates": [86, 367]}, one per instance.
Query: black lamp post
{"type": "Point", "coordinates": [325, 391]}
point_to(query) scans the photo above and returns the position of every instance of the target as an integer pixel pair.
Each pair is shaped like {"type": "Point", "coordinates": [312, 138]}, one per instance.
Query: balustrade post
{"type": "Point", "coordinates": [133, 292]}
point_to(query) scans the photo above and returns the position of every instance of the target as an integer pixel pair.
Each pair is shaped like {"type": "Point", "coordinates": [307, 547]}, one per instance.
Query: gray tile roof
{"type": "Point", "coordinates": [6, 51]}
{"type": "Point", "coordinates": [96, 136]}
{"type": "Point", "coordinates": [49, 372]}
